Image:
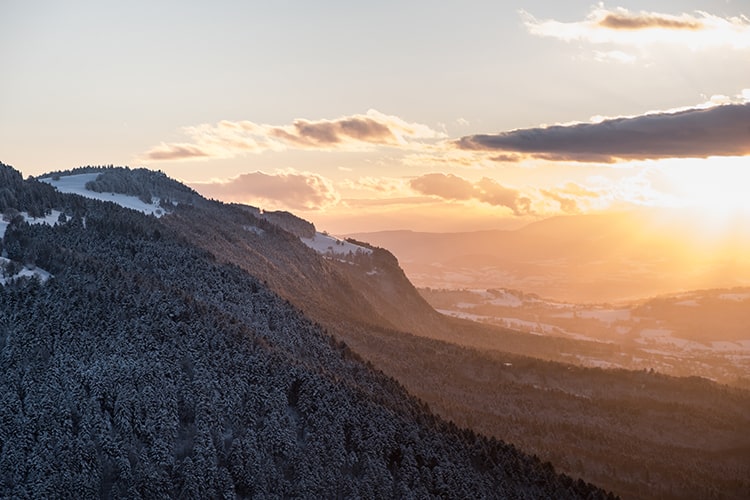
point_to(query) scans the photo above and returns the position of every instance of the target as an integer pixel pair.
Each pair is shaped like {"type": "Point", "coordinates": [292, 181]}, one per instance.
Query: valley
{"type": "Point", "coordinates": [700, 333]}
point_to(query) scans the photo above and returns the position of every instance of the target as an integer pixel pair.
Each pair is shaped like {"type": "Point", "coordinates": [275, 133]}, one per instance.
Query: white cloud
{"type": "Point", "coordinates": [228, 139]}
{"type": "Point", "coordinates": [283, 189]}
{"type": "Point", "coordinates": [698, 30]}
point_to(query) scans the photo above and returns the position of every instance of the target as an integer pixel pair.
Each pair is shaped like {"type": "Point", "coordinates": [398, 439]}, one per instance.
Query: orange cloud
{"type": "Point", "coordinates": [579, 191]}
{"type": "Point", "coordinates": [228, 139]}
{"type": "Point", "coordinates": [453, 187]}
{"type": "Point", "coordinates": [491, 192]}
{"type": "Point", "coordinates": [623, 19]}
{"type": "Point", "coordinates": [447, 186]}
{"type": "Point", "coordinates": [693, 133]}
{"type": "Point", "coordinates": [567, 205]}
{"type": "Point", "coordinates": [294, 190]}
{"type": "Point", "coordinates": [166, 152]}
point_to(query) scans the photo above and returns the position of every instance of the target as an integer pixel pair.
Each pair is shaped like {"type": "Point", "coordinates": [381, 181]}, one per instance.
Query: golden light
{"type": "Point", "coordinates": [712, 195]}
{"type": "Point", "coordinates": [718, 186]}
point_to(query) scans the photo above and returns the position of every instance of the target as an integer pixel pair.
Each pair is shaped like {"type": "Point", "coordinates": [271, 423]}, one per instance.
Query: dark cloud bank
{"type": "Point", "coordinates": [694, 133]}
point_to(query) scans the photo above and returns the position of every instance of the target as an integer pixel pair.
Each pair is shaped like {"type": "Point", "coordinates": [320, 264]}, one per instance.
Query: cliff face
{"type": "Point", "coordinates": [368, 289]}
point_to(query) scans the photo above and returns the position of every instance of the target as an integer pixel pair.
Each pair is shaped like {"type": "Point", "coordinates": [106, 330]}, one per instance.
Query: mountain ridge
{"type": "Point", "coordinates": [147, 367]}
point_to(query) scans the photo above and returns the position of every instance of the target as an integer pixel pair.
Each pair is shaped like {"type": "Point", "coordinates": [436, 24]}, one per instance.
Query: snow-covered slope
{"type": "Point", "coordinates": [329, 245]}
{"type": "Point", "coordinates": [76, 184]}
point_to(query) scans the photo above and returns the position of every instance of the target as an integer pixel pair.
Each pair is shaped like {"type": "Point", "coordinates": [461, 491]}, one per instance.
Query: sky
{"type": "Point", "coordinates": [423, 115]}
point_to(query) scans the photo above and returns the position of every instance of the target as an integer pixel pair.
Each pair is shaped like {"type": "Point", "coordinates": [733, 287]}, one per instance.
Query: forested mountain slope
{"type": "Point", "coordinates": [147, 367]}
{"type": "Point", "coordinates": [369, 289]}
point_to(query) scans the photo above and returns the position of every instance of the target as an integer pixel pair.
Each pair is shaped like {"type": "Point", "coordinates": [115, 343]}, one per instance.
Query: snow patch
{"type": "Point", "coordinates": [506, 300]}
{"type": "Point", "coordinates": [26, 272]}
{"type": "Point", "coordinates": [595, 363]}
{"type": "Point", "coordinates": [737, 297]}
{"type": "Point", "coordinates": [687, 303]}
{"type": "Point", "coordinates": [663, 336]}
{"type": "Point", "coordinates": [463, 315]}
{"type": "Point", "coordinates": [726, 346]}
{"type": "Point", "coordinates": [50, 220]}
{"type": "Point", "coordinates": [654, 333]}
{"type": "Point", "coordinates": [76, 184]}
{"type": "Point", "coordinates": [605, 315]}
{"type": "Point", "coordinates": [254, 229]}
{"type": "Point", "coordinates": [329, 245]}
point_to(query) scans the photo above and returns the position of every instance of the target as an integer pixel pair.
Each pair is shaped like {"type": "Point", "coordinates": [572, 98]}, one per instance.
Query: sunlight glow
{"type": "Point", "coordinates": [714, 201]}
{"type": "Point", "coordinates": [720, 190]}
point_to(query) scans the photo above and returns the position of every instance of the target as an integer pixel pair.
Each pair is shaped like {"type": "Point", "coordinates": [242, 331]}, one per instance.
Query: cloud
{"type": "Point", "coordinates": [448, 186]}
{"type": "Point", "coordinates": [571, 188]}
{"type": "Point", "coordinates": [227, 139]}
{"type": "Point", "coordinates": [622, 19]}
{"type": "Point", "coordinates": [573, 198]}
{"type": "Point", "coordinates": [453, 187]}
{"type": "Point", "coordinates": [699, 30]}
{"type": "Point", "coordinates": [444, 154]}
{"type": "Point", "coordinates": [165, 152]}
{"type": "Point", "coordinates": [493, 193]}
{"type": "Point", "coordinates": [289, 189]}
{"type": "Point", "coordinates": [567, 205]}
{"type": "Point", "coordinates": [722, 130]}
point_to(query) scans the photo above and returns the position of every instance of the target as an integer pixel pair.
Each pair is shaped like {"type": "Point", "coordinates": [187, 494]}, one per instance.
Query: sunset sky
{"type": "Point", "coordinates": [438, 116]}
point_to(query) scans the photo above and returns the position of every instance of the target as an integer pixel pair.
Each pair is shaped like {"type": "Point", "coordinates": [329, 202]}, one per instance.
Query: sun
{"type": "Point", "coordinates": [701, 218]}
{"type": "Point", "coordinates": [716, 186]}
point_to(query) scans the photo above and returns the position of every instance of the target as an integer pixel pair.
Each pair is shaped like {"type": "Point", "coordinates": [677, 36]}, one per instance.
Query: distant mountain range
{"type": "Point", "coordinates": [579, 258]}
{"type": "Point", "coordinates": [158, 344]}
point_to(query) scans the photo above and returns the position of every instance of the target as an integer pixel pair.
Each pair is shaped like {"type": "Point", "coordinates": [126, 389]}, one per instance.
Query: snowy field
{"type": "Point", "coordinates": [76, 184]}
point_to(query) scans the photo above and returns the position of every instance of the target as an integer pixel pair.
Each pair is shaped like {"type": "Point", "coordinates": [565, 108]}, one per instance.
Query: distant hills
{"type": "Point", "coordinates": [706, 330]}
{"type": "Point", "coordinates": [579, 258]}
